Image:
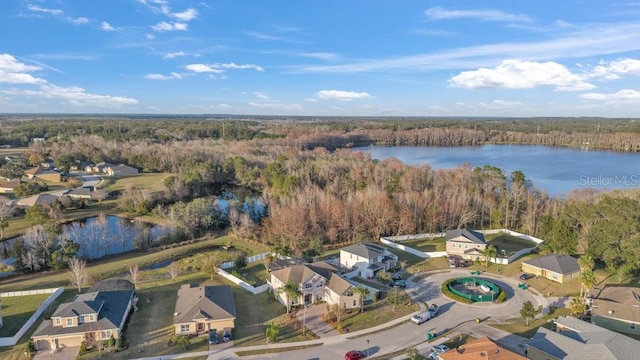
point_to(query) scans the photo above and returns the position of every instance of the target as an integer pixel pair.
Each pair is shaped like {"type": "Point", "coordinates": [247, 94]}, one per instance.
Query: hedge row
{"type": "Point", "coordinates": [451, 295]}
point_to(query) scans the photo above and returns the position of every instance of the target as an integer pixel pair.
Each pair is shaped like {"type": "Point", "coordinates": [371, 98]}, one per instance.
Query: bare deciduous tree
{"type": "Point", "coordinates": [99, 195]}
{"type": "Point", "coordinates": [78, 275]}
{"type": "Point", "coordinates": [209, 264]}
{"type": "Point", "coordinates": [174, 270]}
{"type": "Point", "coordinates": [6, 212]}
{"type": "Point", "coordinates": [135, 275]}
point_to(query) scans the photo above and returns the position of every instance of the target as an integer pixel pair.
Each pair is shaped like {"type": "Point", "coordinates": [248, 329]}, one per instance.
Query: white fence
{"type": "Point", "coordinates": [392, 241]}
{"type": "Point", "coordinates": [10, 341]}
{"type": "Point", "coordinates": [243, 284]}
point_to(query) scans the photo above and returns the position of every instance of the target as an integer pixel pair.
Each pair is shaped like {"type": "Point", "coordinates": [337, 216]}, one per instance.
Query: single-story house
{"type": "Point", "coordinates": [577, 339]}
{"type": "Point", "coordinates": [9, 187]}
{"type": "Point", "coordinates": [368, 258]}
{"type": "Point", "coordinates": [203, 308]}
{"type": "Point", "coordinates": [119, 170]}
{"type": "Point", "coordinates": [80, 193]}
{"type": "Point", "coordinates": [555, 267]}
{"type": "Point", "coordinates": [465, 243]}
{"type": "Point", "coordinates": [41, 199]}
{"type": "Point", "coordinates": [318, 281]}
{"type": "Point", "coordinates": [98, 168]}
{"type": "Point", "coordinates": [616, 308]}
{"type": "Point", "coordinates": [38, 173]}
{"type": "Point", "coordinates": [89, 317]}
{"type": "Point", "coordinates": [481, 348]}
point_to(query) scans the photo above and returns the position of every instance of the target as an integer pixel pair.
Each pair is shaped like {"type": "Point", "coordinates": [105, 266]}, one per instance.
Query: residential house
{"type": "Point", "coordinates": [617, 308]}
{"type": "Point", "coordinates": [89, 317]}
{"type": "Point", "coordinates": [465, 243]}
{"type": "Point", "coordinates": [577, 339]}
{"type": "Point", "coordinates": [9, 187]}
{"type": "Point", "coordinates": [83, 193]}
{"type": "Point", "coordinates": [40, 199]}
{"type": "Point", "coordinates": [38, 173]}
{"type": "Point", "coordinates": [278, 264]}
{"type": "Point", "coordinates": [368, 258]}
{"type": "Point", "coordinates": [203, 308]}
{"type": "Point", "coordinates": [318, 281]}
{"type": "Point", "coordinates": [559, 268]}
{"type": "Point", "coordinates": [120, 170]}
{"type": "Point", "coordinates": [98, 168]}
{"type": "Point", "coordinates": [481, 348]}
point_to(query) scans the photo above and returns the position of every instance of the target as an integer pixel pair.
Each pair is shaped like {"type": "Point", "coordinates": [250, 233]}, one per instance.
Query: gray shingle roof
{"type": "Point", "coordinates": [112, 311]}
{"type": "Point", "coordinates": [581, 340]}
{"type": "Point", "coordinates": [365, 250]}
{"type": "Point", "coordinates": [298, 274]}
{"type": "Point", "coordinates": [561, 264]}
{"type": "Point", "coordinates": [338, 285]}
{"type": "Point", "coordinates": [471, 235]}
{"type": "Point", "coordinates": [622, 301]}
{"type": "Point", "coordinates": [204, 302]}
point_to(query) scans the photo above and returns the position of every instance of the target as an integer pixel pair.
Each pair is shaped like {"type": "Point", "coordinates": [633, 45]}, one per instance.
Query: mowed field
{"type": "Point", "coordinates": [149, 181]}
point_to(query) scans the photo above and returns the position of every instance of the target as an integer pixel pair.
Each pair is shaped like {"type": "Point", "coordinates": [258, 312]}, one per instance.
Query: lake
{"type": "Point", "coordinates": [557, 170]}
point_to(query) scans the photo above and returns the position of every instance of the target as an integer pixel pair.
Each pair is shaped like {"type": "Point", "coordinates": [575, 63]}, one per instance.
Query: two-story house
{"type": "Point", "coordinates": [90, 317]}
{"type": "Point", "coordinates": [317, 281]}
{"type": "Point", "coordinates": [368, 258]}
{"type": "Point", "coordinates": [465, 243]}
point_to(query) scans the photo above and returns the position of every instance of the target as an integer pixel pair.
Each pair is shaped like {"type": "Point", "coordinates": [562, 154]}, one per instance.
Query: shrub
{"type": "Point", "coordinates": [502, 296]}
{"type": "Point", "coordinates": [120, 343]}
{"type": "Point", "coordinates": [452, 296]}
{"type": "Point", "coordinates": [30, 347]}
{"type": "Point", "coordinates": [83, 348]}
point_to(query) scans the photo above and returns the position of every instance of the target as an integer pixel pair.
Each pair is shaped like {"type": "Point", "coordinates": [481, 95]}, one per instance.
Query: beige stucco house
{"type": "Point", "coordinates": [616, 308]}
{"type": "Point", "coordinates": [120, 170]}
{"type": "Point", "coordinates": [200, 309]}
{"type": "Point", "coordinates": [368, 258]}
{"type": "Point", "coordinates": [317, 281]}
{"type": "Point", "coordinates": [465, 243]}
{"type": "Point", "coordinates": [560, 268]}
{"type": "Point", "coordinates": [38, 173]}
{"type": "Point", "coordinates": [89, 317]}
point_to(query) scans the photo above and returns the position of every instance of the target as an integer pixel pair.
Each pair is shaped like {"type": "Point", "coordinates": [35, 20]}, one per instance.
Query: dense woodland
{"type": "Point", "coordinates": [319, 194]}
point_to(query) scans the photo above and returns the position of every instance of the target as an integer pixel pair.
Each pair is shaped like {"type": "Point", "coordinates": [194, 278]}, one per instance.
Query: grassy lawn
{"type": "Point", "coordinates": [404, 256]}
{"type": "Point", "coordinates": [510, 244]}
{"type": "Point", "coordinates": [255, 273]}
{"type": "Point", "coordinates": [257, 312]}
{"type": "Point", "coordinates": [379, 312]}
{"type": "Point", "coordinates": [16, 310]}
{"type": "Point", "coordinates": [150, 181]}
{"type": "Point", "coordinates": [519, 326]}
{"type": "Point", "coordinates": [429, 264]}
{"type": "Point", "coordinates": [426, 244]}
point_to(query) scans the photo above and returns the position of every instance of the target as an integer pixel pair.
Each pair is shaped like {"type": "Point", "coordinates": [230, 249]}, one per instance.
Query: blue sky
{"type": "Point", "coordinates": [334, 58]}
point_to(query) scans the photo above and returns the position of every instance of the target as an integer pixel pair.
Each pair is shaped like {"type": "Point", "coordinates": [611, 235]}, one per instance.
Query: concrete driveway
{"type": "Point", "coordinates": [312, 317]}
{"type": "Point", "coordinates": [67, 353]}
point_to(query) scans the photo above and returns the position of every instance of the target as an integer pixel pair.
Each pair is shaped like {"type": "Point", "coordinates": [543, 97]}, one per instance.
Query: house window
{"type": "Point", "coordinates": [320, 284]}
{"type": "Point", "coordinates": [308, 286]}
{"type": "Point", "coordinates": [184, 328]}
{"type": "Point", "coordinates": [57, 321]}
{"type": "Point", "coordinates": [69, 321]}
{"type": "Point", "coordinates": [355, 302]}
{"type": "Point", "coordinates": [91, 318]}
{"type": "Point", "coordinates": [633, 326]}
{"type": "Point", "coordinates": [81, 318]}
{"type": "Point", "coordinates": [350, 256]}
{"type": "Point", "coordinates": [105, 334]}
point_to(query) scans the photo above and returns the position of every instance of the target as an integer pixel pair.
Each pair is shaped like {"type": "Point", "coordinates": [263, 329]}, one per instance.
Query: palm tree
{"type": "Point", "coordinates": [577, 306]}
{"type": "Point", "coordinates": [586, 262]}
{"type": "Point", "coordinates": [489, 252]}
{"type": "Point", "coordinates": [291, 290]}
{"type": "Point", "coordinates": [363, 292]}
{"type": "Point", "coordinates": [588, 280]}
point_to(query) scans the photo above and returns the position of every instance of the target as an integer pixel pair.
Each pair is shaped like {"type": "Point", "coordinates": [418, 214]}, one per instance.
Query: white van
{"type": "Point", "coordinates": [420, 318]}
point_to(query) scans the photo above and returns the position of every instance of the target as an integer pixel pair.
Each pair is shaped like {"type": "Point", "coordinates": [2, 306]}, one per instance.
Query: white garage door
{"type": "Point", "coordinates": [43, 345]}
{"type": "Point", "coordinates": [69, 341]}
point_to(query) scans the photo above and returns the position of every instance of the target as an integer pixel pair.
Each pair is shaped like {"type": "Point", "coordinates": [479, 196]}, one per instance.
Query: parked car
{"type": "Point", "coordinates": [526, 276]}
{"type": "Point", "coordinates": [213, 337]}
{"type": "Point", "coordinates": [396, 277]}
{"type": "Point", "coordinates": [453, 262]}
{"type": "Point", "coordinates": [354, 355]}
{"type": "Point", "coordinates": [226, 335]}
{"type": "Point", "coordinates": [439, 349]}
{"type": "Point", "coordinates": [399, 283]}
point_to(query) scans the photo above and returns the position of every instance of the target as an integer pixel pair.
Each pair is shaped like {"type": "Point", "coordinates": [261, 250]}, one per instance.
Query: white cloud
{"type": "Point", "coordinates": [437, 13]}
{"type": "Point", "coordinates": [105, 26]}
{"type": "Point", "coordinates": [169, 26]}
{"type": "Point", "coordinates": [341, 95]}
{"type": "Point", "coordinates": [263, 36]}
{"type": "Point", "coordinates": [518, 74]}
{"type": "Point", "coordinates": [276, 106]}
{"type": "Point", "coordinates": [232, 65]}
{"type": "Point", "coordinates": [174, 55]}
{"type": "Point", "coordinates": [186, 15]}
{"type": "Point", "coordinates": [36, 8]}
{"type": "Point", "coordinates": [172, 76]}
{"type": "Point", "coordinates": [202, 68]}
{"type": "Point", "coordinates": [624, 95]}
{"type": "Point", "coordinates": [613, 69]}
{"type": "Point", "coordinates": [501, 105]}
{"type": "Point", "coordinates": [14, 72]}
{"type": "Point", "coordinates": [319, 55]}
{"type": "Point", "coordinates": [261, 95]}
{"type": "Point", "coordinates": [74, 95]}
{"type": "Point", "coordinates": [78, 21]}
{"type": "Point", "coordinates": [150, 36]}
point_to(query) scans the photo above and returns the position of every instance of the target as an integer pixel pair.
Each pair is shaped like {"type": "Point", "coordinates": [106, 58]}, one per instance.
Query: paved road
{"type": "Point", "coordinates": [400, 334]}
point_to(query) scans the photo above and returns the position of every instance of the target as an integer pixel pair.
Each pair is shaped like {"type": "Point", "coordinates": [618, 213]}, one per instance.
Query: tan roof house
{"type": "Point", "coordinates": [555, 267]}
{"type": "Point", "coordinates": [318, 281]}
{"type": "Point", "coordinates": [480, 349]}
{"type": "Point", "coordinates": [98, 168]}
{"type": "Point", "coordinates": [120, 170]}
{"type": "Point", "coordinates": [89, 317]}
{"type": "Point", "coordinates": [38, 173]}
{"type": "Point", "coordinates": [465, 243]}
{"type": "Point", "coordinates": [203, 308]}
{"type": "Point", "coordinates": [617, 308]}
{"type": "Point", "coordinates": [40, 199]}
{"type": "Point", "coordinates": [580, 340]}
{"type": "Point", "coordinates": [9, 187]}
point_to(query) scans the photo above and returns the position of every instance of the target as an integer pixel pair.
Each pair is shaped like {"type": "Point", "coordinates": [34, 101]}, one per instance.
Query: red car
{"type": "Point", "coordinates": [354, 355]}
